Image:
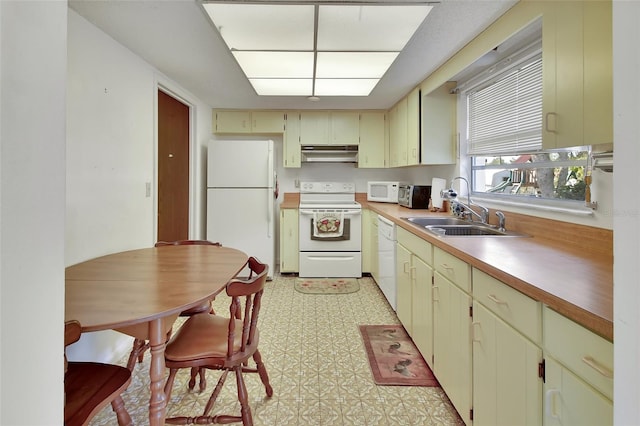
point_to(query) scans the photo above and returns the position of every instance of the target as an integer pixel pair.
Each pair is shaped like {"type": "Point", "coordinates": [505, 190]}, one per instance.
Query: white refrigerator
{"type": "Point", "coordinates": [241, 196]}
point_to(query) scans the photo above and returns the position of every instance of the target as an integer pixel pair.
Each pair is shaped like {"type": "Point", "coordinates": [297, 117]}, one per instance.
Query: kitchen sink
{"type": "Point", "coordinates": [454, 227]}
{"type": "Point", "coordinates": [435, 221]}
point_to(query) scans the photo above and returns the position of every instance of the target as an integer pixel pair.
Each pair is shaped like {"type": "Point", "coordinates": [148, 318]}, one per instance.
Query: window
{"type": "Point", "coordinates": [504, 139]}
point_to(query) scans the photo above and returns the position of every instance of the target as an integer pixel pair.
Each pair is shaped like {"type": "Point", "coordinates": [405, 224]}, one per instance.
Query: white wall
{"type": "Point", "coordinates": [111, 156]}
{"type": "Point", "coordinates": [626, 226]}
{"type": "Point", "coordinates": [32, 189]}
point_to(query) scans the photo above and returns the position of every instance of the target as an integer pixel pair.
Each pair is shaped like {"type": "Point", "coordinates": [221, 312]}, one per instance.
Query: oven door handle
{"type": "Point", "coordinates": [345, 212]}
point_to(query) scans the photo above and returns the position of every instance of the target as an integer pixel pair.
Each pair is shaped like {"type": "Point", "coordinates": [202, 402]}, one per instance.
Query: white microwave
{"type": "Point", "coordinates": [383, 192]}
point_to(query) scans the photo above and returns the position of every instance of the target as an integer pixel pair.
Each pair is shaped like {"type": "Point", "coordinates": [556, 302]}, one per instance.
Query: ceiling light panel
{"type": "Point", "coordinates": [344, 87]}
{"type": "Point", "coordinates": [275, 64]}
{"type": "Point", "coordinates": [353, 64]}
{"type": "Point", "coordinates": [282, 87]}
{"type": "Point", "coordinates": [370, 27]}
{"type": "Point", "coordinates": [263, 27]}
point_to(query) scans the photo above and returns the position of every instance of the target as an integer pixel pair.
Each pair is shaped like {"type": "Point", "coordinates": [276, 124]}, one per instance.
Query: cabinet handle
{"type": "Point", "coordinates": [551, 125]}
{"type": "Point", "coordinates": [550, 403]}
{"type": "Point", "coordinates": [434, 293]}
{"type": "Point", "coordinates": [606, 372]}
{"type": "Point", "coordinates": [447, 267]}
{"type": "Point", "coordinates": [493, 298]}
{"type": "Point", "coordinates": [412, 272]}
{"type": "Point", "coordinates": [473, 331]}
{"type": "Point", "coordinates": [405, 268]}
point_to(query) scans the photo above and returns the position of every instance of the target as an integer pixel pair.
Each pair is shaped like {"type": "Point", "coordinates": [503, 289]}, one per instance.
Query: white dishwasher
{"type": "Point", "coordinates": [387, 259]}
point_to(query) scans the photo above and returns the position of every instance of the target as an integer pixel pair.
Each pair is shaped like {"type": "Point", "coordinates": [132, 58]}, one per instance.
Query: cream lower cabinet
{"type": "Point", "coordinates": [289, 240]}
{"type": "Point", "coordinates": [578, 388]}
{"type": "Point", "coordinates": [452, 330]}
{"type": "Point", "coordinates": [374, 265]}
{"type": "Point", "coordinates": [414, 289]}
{"type": "Point", "coordinates": [367, 252]}
{"type": "Point", "coordinates": [507, 354]}
{"type": "Point", "coordinates": [506, 387]}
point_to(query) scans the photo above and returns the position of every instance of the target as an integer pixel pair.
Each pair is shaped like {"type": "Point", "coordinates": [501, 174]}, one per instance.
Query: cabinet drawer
{"type": "Point", "coordinates": [520, 311]}
{"type": "Point", "coordinates": [456, 270]}
{"type": "Point", "coordinates": [581, 351]}
{"type": "Point", "coordinates": [416, 245]}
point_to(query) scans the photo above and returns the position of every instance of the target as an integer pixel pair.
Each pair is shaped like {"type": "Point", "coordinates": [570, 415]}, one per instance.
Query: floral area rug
{"type": "Point", "coordinates": [393, 357]}
{"type": "Point", "coordinates": [327, 285]}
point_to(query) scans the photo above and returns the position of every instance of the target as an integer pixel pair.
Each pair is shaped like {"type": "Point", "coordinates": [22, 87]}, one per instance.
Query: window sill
{"type": "Point", "coordinates": [572, 210]}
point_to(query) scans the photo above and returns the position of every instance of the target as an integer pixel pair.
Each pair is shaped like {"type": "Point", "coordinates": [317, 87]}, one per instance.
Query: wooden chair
{"type": "Point", "coordinates": [215, 342]}
{"type": "Point", "coordinates": [90, 386]}
{"type": "Point", "coordinates": [140, 346]}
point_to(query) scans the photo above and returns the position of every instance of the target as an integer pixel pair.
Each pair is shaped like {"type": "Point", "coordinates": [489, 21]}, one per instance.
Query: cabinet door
{"type": "Point", "coordinates": [422, 309]}
{"type": "Point", "coordinates": [372, 152]}
{"type": "Point", "coordinates": [570, 401]}
{"type": "Point", "coordinates": [413, 127]}
{"type": "Point", "coordinates": [452, 343]}
{"type": "Point", "coordinates": [403, 283]}
{"type": "Point", "coordinates": [375, 269]}
{"type": "Point", "coordinates": [314, 128]}
{"type": "Point", "coordinates": [439, 134]}
{"type": "Point", "coordinates": [598, 72]}
{"type": "Point", "coordinates": [232, 121]}
{"type": "Point", "coordinates": [345, 128]}
{"type": "Point", "coordinates": [289, 240]}
{"type": "Point", "coordinates": [267, 121]}
{"type": "Point", "coordinates": [291, 140]}
{"type": "Point", "coordinates": [506, 387]}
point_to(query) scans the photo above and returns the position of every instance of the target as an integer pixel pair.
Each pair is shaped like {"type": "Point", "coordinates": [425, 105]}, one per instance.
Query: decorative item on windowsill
{"type": "Point", "coordinates": [600, 161]}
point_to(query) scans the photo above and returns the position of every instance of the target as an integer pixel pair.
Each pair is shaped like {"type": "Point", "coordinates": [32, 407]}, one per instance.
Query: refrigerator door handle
{"type": "Point", "coordinates": [271, 182]}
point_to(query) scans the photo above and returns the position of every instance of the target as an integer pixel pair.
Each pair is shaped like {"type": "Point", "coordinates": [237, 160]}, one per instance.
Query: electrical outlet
{"type": "Point", "coordinates": [296, 182]}
{"type": "Point", "coordinates": [147, 189]}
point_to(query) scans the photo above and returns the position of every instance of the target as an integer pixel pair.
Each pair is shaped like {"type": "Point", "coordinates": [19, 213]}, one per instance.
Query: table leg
{"type": "Point", "coordinates": [158, 402]}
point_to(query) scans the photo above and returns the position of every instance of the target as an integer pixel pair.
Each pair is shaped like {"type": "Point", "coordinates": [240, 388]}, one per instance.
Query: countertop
{"type": "Point", "coordinates": [576, 283]}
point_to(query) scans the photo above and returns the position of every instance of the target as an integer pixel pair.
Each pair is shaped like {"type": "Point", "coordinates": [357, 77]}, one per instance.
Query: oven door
{"type": "Point", "coordinates": [316, 237]}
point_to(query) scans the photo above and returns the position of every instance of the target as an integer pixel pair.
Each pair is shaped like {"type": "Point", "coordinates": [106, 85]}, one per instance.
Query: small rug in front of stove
{"type": "Point", "coordinates": [394, 359]}
{"type": "Point", "coordinates": [327, 285]}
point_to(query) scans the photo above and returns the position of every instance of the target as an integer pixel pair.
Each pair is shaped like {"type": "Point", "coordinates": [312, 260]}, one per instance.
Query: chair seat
{"type": "Point", "coordinates": [204, 336]}
{"type": "Point", "coordinates": [85, 398]}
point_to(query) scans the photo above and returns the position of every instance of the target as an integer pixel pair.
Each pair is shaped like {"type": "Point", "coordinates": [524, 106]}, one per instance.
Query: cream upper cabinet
{"type": "Point", "coordinates": [291, 140]}
{"type": "Point", "coordinates": [267, 121]}
{"type": "Point", "coordinates": [577, 74]}
{"type": "Point", "coordinates": [439, 127]}
{"type": "Point", "coordinates": [314, 128]}
{"type": "Point", "coordinates": [398, 134]}
{"type": "Point", "coordinates": [345, 127]}
{"type": "Point", "coordinates": [413, 127]}
{"type": "Point", "coordinates": [232, 121]}
{"type": "Point", "coordinates": [372, 152]}
{"type": "Point", "coordinates": [329, 128]}
{"type": "Point", "coordinates": [239, 121]}
{"type": "Point", "coordinates": [289, 240]}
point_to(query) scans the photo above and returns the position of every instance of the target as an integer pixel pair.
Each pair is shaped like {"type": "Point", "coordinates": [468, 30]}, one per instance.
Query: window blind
{"type": "Point", "coordinates": [506, 116]}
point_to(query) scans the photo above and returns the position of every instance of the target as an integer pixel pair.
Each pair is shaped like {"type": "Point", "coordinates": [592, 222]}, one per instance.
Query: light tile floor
{"type": "Point", "coordinates": [313, 351]}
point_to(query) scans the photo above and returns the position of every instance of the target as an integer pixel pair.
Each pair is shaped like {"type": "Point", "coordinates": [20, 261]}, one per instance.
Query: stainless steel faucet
{"type": "Point", "coordinates": [461, 209]}
{"type": "Point", "coordinates": [501, 221]}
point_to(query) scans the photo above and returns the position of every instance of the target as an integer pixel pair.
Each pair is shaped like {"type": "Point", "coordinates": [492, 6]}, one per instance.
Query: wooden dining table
{"type": "Point", "coordinates": [141, 293]}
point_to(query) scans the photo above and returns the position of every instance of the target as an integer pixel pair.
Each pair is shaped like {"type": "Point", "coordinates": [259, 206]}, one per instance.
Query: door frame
{"type": "Point", "coordinates": [179, 94]}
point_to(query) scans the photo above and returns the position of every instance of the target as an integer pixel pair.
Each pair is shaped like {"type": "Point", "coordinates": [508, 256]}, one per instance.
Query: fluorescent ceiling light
{"type": "Point", "coordinates": [369, 28]}
{"type": "Point", "coordinates": [282, 87]}
{"type": "Point", "coordinates": [317, 49]}
{"type": "Point", "coordinates": [263, 26]}
{"type": "Point", "coordinates": [276, 64]}
{"type": "Point", "coordinates": [353, 64]}
{"type": "Point", "coordinates": [344, 87]}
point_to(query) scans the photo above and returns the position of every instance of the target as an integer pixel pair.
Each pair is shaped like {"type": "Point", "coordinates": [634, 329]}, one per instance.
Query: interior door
{"type": "Point", "coordinates": [173, 169]}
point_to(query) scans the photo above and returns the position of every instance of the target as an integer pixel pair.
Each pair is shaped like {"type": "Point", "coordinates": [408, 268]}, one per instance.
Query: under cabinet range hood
{"type": "Point", "coordinates": [330, 154]}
